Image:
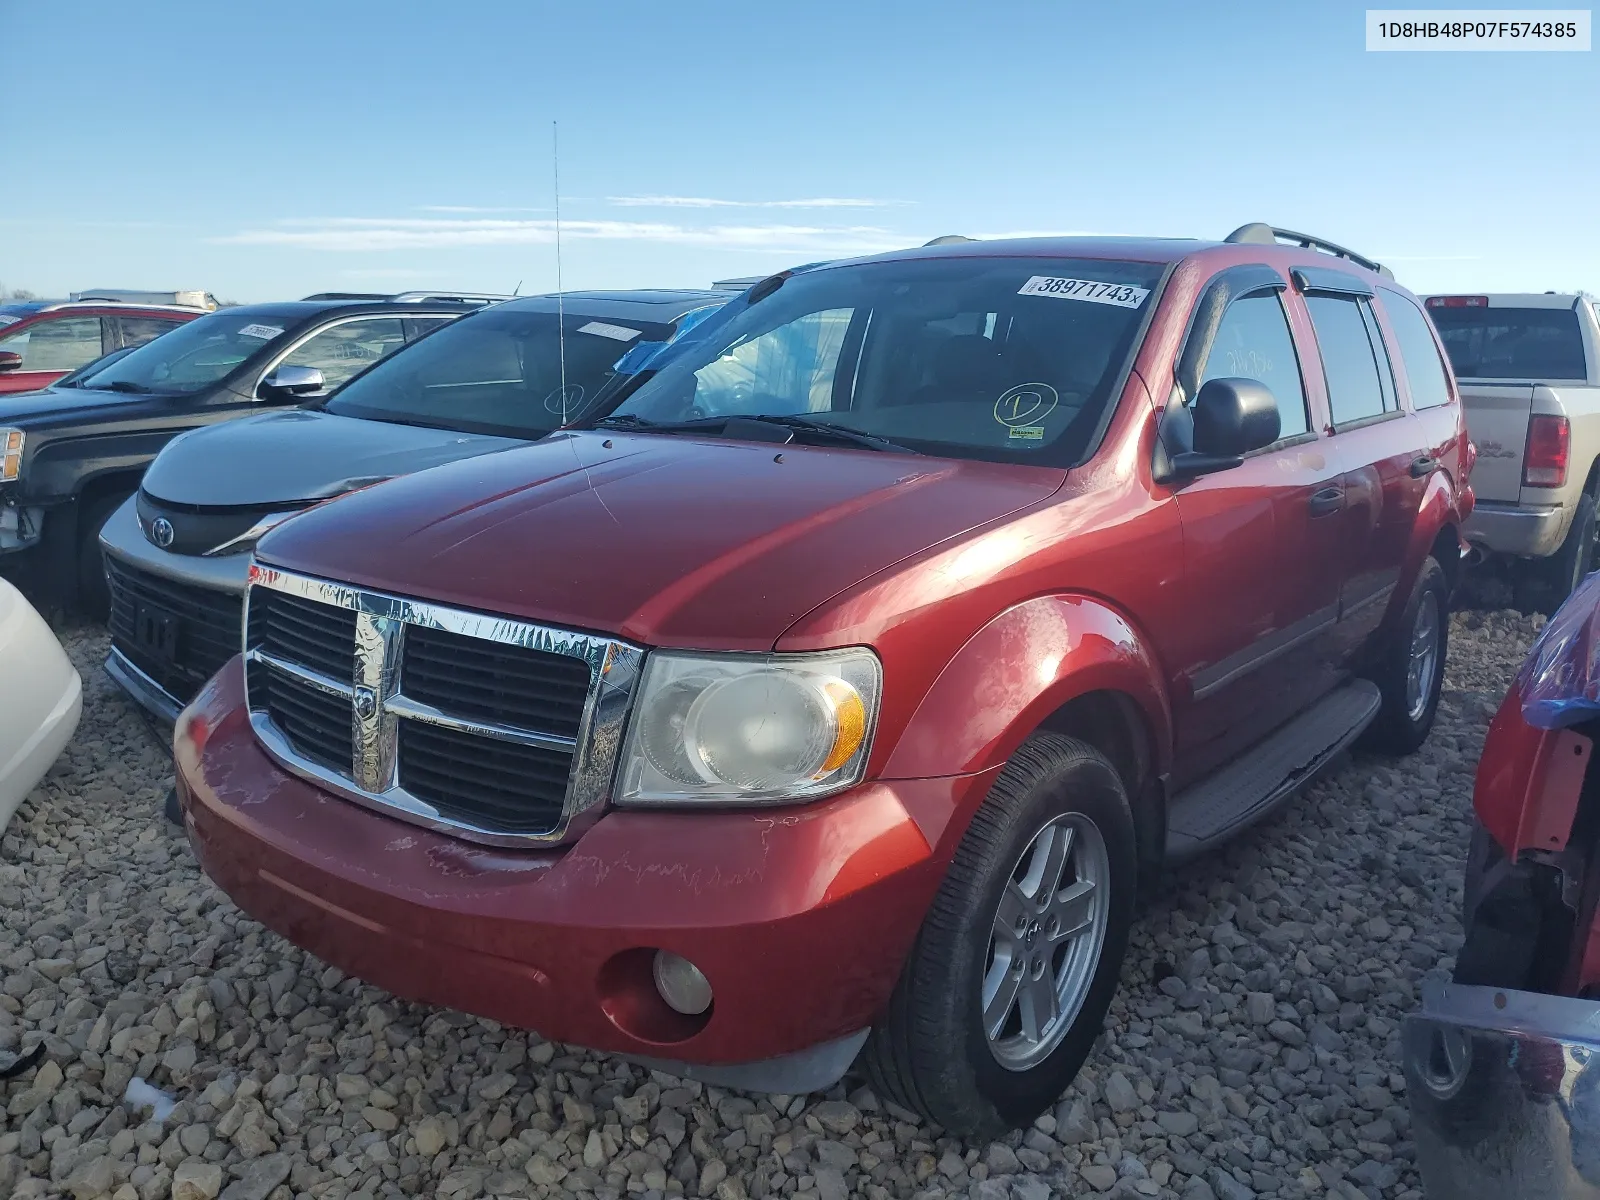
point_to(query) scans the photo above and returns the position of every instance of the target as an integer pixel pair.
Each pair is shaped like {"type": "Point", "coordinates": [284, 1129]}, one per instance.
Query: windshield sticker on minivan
{"type": "Point", "coordinates": [7, 320]}
{"type": "Point", "coordinates": [1123, 295]}
{"type": "Point", "coordinates": [620, 333]}
{"type": "Point", "coordinates": [265, 332]}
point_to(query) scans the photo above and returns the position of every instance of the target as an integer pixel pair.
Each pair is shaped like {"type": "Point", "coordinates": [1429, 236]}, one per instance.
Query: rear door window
{"type": "Point", "coordinates": [136, 331]}
{"type": "Point", "coordinates": [63, 344]}
{"type": "Point", "coordinates": [1253, 342]}
{"type": "Point", "coordinates": [343, 350]}
{"type": "Point", "coordinates": [1511, 343]}
{"type": "Point", "coordinates": [1424, 371]}
{"type": "Point", "coordinates": [1349, 359]}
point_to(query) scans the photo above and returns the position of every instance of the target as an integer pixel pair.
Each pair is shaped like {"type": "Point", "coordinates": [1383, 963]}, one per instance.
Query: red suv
{"type": "Point", "coordinates": [43, 340]}
{"type": "Point", "coordinates": [835, 693]}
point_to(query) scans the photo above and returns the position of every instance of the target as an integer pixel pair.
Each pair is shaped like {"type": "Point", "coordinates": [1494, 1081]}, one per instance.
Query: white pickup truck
{"type": "Point", "coordinates": [1528, 367]}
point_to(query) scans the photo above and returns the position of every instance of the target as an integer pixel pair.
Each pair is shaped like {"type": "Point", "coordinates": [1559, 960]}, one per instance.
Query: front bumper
{"type": "Point", "coordinates": [202, 593]}
{"type": "Point", "coordinates": [799, 917]}
{"type": "Point", "coordinates": [1528, 531]}
{"type": "Point", "coordinates": [1504, 1089]}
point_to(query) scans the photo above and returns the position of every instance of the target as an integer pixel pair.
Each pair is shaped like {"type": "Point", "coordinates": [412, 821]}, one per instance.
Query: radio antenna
{"type": "Point", "coordinates": [561, 308]}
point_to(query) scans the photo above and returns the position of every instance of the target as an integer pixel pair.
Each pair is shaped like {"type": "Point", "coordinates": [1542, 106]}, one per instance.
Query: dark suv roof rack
{"type": "Point", "coordinates": [1259, 233]}
{"type": "Point", "coordinates": [423, 297]}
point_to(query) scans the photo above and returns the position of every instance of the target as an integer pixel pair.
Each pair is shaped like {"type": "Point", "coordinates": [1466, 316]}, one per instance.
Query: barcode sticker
{"type": "Point", "coordinates": [1123, 295]}
{"type": "Point", "coordinates": [265, 332]}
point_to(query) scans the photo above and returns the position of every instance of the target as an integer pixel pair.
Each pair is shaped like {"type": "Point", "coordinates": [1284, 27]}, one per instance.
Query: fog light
{"type": "Point", "coordinates": [681, 984]}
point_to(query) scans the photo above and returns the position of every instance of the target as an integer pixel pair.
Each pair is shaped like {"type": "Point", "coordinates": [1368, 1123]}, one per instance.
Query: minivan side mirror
{"type": "Point", "coordinates": [292, 381]}
{"type": "Point", "coordinates": [1229, 419]}
{"type": "Point", "coordinates": [10, 360]}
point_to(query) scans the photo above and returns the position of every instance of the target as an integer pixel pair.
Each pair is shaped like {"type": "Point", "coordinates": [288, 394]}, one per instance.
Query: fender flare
{"type": "Point", "coordinates": [1010, 676]}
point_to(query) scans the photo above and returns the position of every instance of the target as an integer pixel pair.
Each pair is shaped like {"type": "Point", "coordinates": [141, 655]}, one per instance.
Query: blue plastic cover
{"type": "Point", "coordinates": [642, 355]}
{"type": "Point", "coordinates": [1560, 682]}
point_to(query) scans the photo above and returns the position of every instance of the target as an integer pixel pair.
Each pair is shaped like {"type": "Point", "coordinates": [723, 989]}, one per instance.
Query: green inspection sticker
{"type": "Point", "coordinates": [1027, 433]}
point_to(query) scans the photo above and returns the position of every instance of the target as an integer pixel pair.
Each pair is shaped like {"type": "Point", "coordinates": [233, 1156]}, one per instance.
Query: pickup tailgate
{"type": "Point", "coordinates": [1497, 421]}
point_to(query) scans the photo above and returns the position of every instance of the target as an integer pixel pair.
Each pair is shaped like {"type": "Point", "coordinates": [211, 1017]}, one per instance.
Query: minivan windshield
{"type": "Point", "coordinates": [1511, 343]}
{"type": "Point", "coordinates": [499, 371]}
{"type": "Point", "coordinates": [1007, 359]}
{"type": "Point", "coordinates": [192, 356]}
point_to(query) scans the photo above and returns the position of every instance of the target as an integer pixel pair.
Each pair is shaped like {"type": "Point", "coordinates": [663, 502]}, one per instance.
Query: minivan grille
{"type": "Point", "coordinates": [492, 729]}
{"type": "Point", "coordinates": [176, 633]}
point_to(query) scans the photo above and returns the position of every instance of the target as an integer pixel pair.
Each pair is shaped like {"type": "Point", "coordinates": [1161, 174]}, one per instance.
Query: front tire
{"type": "Point", "coordinates": [1410, 668]}
{"type": "Point", "coordinates": [1007, 986]}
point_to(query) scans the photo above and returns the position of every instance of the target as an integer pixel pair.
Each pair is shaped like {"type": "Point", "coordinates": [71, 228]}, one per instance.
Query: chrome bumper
{"type": "Point", "coordinates": [1527, 531]}
{"type": "Point", "coordinates": [1504, 1088]}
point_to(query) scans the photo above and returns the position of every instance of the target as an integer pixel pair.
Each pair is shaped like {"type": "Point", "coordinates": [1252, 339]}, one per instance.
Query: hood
{"type": "Point", "coordinates": [663, 539]}
{"type": "Point", "coordinates": [295, 455]}
{"type": "Point", "coordinates": [18, 408]}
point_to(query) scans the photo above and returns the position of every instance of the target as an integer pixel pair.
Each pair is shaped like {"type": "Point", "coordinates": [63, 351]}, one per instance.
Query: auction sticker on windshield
{"type": "Point", "coordinates": [1123, 295]}
{"type": "Point", "coordinates": [620, 333]}
{"type": "Point", "coordinates": [264, 332]}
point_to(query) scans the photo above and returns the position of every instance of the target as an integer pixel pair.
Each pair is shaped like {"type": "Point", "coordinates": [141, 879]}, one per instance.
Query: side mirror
{"type": "Point", "coordinates": [1234, 416]}
{"type": "Point", "coordinates": [10, 360]}
{"type": "Point", "coordinates": [292, 381]}
{"type": "Point", "coordinates": [1228, 419]}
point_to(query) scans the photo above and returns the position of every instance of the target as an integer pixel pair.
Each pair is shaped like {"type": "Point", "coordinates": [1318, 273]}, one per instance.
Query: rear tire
{"type": "Point", "coordinates": [1410, 667]}
{"type": "Point", "coordinates": [1000, 1001]}
{"type": "Point", "coordinates": [94, 593]}
{"type": "Point", "coordinates": [1577, 556]}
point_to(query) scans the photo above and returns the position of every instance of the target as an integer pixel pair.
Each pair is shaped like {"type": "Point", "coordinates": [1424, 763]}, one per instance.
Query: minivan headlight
{"type": "Point", "coordinates": [743, 729]}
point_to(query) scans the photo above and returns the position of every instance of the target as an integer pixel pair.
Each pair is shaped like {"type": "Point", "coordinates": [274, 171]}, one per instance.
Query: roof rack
{"type": "Point", "coordinates": [467, 297]}
{"type": "Point", "coordinates": [411, 297]}
{"type": "Point", "coordinates": [740, 284]}
{"type": "Point", "coordinates": [84, 300]}
{"type": "Point", "coordinates": [1259, 233]}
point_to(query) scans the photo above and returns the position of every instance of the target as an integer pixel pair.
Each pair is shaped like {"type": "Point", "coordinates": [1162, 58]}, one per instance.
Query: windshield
{"type": "Point", "coordinates": [194, 355]}
{"type": "Point", "coordinates": [1511, 343]}
{"type": "Point", "coordinates": [498, 371]}
{"type": "Point", "coordinates": [1009, 359]}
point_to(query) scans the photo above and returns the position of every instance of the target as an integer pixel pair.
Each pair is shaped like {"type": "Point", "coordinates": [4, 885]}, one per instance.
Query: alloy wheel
{"type": "Point", "coordinates": [1424, 661]}
{"type": "Point", "coordinates": [1045, 941]}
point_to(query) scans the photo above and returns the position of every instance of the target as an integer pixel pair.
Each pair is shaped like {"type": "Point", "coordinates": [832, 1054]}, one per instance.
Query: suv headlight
{"type": "Point", "coordinates": [750, 729]}
{"type": "Point", "coordinates": [11, 441]}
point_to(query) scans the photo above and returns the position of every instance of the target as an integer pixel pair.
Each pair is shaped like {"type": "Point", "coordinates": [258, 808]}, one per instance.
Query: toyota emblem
{"type": "Point", "coordinates": [161, 532]}
{"type": "Point", "coordinates": [366, 703]}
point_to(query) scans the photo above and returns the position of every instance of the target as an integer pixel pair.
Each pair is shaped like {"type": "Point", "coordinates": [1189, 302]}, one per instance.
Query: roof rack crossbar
{"type": "Point", "coordinates": [1260, 233]}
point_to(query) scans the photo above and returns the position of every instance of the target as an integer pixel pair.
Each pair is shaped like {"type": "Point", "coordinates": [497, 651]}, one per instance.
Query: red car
{"type": "Point", "coordinates": [43, 340]}
{"type": "Point", "coordinates": [834, 694]}
{"type": "Point", "coordinates": [1503, 1062]}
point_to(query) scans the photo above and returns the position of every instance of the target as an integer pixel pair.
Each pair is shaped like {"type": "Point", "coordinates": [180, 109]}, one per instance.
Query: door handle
{"type": "Point", "coordinates": [1326, 501]}
{"type": "Point", "coordinates": [1423, 466]}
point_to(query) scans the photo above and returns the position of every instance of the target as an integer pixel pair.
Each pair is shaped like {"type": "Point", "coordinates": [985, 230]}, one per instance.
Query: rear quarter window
{"type": "Point", "coordinates": [1424, 369]}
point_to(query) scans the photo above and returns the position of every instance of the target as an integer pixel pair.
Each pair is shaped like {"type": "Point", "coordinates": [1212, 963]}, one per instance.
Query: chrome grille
{"type": "Point", "coordinates": [491, 729]}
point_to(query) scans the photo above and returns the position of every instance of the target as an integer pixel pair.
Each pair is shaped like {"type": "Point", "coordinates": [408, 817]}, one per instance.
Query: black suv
{"type": "Point", "coordinates": [70, 454]}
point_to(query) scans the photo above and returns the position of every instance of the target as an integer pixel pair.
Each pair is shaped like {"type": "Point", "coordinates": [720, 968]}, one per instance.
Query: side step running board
{"type": "Point", "coordinates": [1250, 787]}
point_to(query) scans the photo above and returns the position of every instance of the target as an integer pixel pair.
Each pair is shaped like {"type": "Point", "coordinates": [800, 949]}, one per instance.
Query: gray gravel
{"type": "Point", "coordinates": [1252, 1049]}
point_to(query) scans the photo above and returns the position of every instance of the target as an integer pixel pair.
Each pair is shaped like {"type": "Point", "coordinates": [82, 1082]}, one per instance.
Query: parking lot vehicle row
{"type": "Point", "coordinates": [833, 692]}
{"type": "Point", "coordinates": [73, 454]}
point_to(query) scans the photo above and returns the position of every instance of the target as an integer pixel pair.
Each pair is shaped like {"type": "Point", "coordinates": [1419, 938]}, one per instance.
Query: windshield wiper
{"type": "Point", "coordinates": [796, 424]}
{"type": "Point", "coordinates": [121, 385]}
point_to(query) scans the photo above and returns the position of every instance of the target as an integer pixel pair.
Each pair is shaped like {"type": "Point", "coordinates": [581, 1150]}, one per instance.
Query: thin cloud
{"type": "Point", "coordinates": [1044, 233]}
{"type": "Point", "coordinates": [358, 234]}
{"type": "Point", "coordinates": [476, 208]}
{"type": "Point", "coordinates": [709, 202]}
{"type": "Point", "coordinates": [1394, 258]}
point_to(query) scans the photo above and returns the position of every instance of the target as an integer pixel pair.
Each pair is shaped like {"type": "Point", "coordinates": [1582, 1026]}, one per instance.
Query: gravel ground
{"type": "Point", "coordinates": [1252, 1049]}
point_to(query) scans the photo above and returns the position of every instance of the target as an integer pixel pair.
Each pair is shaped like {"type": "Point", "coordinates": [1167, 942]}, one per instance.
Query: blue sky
{"type": "Point", "coordinates": [269, 151]}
